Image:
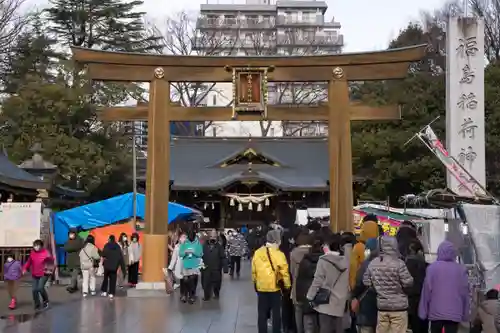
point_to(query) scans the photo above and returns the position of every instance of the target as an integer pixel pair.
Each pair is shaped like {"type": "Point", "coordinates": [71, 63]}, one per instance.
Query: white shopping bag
{"type": "Point", "coordinates": [100, 270]}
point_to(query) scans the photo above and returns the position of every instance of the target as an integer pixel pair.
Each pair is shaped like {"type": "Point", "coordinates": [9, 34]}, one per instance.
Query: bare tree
{"type": "Point", "coordinates": [434, 25]}
{"type": "Point", "coordinates": [489, 10]}
{"type": "Point", "coordinates": [293, 42]}
{"type": "Point", "coordinates": [187, 34]}
{"type": "Point", "coordinates": [12, 23]}
{"type": "Point", "coordinates": [180, 36]}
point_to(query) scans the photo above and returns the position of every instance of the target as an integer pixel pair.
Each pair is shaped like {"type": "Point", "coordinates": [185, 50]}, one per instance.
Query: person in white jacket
{"type": "Point", "coordinates": [175, 266]}
{"type": "Point", "coordinates": [89, 262]}
{"type": "Point", "coordinates": [134, 257]}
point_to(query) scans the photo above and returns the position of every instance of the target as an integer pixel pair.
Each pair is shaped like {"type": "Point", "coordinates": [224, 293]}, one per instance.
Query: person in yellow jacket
{"type": "Point", "coordinates": [270, 274]}
{"type": "Point", "coordinates": [369, 229]}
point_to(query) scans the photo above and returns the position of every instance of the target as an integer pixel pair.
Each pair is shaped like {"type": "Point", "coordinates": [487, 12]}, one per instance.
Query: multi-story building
{"type": "Point", "coordinates": [265, 27]}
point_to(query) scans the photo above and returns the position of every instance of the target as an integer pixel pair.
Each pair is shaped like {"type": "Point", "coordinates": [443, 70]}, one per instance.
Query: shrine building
{"type": "Point", "coordinates": [237, 181]}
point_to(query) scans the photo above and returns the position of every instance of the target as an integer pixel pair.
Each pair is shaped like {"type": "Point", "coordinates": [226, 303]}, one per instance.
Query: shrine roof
{"type": "Point", "coordinates": [12, 175]}
{"type": "Point", "coordinates": [291, 163]}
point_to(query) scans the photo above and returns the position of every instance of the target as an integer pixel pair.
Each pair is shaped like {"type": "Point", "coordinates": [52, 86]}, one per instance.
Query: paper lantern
{"type": "Point", "coordinates": [240, 207]}
{"type": "Point", "coordinates": [259, 207]}
{"type": "Point", "coordinates": [250, 206]}
{"type": "Point", "coordinates": [266, 202]}
{"type": "Point", "coordinates": [231, 202]}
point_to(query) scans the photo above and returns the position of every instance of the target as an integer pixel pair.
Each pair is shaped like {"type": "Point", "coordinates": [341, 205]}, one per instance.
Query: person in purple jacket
{"type": "Point", "coordinates": [445, 299]}
{"type": "Point", "coordinates": [13, 271]}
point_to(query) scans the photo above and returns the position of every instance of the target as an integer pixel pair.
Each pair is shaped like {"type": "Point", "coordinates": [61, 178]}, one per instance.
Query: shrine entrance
{"type": "Point", "coordinates": [250, 77]}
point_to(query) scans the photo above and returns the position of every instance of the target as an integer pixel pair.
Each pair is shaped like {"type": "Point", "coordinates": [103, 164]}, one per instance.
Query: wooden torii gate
{"type": "Point", "coordinates": [250, 77]}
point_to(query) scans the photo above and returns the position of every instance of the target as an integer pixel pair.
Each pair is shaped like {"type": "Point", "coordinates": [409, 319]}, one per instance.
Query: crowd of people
{"type": "Point", "coordinates": [116, 261]}
{"type": "Point", "coordinates": [371, 283]}
{"type": "Point", "coordinates": [207, 256]}
{"type": "Point", "coordinates": [307, 280]}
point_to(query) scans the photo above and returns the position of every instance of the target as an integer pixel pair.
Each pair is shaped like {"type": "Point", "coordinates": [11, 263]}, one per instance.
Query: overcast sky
{"type": "Point", "coordinates": [366, 24]}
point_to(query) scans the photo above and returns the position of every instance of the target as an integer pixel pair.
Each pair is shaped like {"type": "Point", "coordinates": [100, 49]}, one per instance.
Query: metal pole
{"type": "Point", "coordinates": [134, 172]}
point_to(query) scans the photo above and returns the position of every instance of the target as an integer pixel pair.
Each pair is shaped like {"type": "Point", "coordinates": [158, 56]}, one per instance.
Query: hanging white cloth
{"type": "Point", "coordinates": [176, 263]}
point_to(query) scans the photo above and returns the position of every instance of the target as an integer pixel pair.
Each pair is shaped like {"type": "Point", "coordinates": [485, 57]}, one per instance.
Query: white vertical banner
{"type": "Point", "coordinates": [465, 131]}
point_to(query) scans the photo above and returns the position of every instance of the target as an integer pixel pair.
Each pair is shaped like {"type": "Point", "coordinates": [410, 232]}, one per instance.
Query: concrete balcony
{"type": "Point", "coordinates": [222, 24]}
{"type": "Point", "coordinates": [319, 40]}
{"type": "Point", "coordinates": [289, 21]}
{"type": "Point", "coordinates": [332, 25]}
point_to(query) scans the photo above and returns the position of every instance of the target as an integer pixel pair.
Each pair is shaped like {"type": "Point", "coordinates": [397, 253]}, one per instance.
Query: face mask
{"type": "Point", "coordinates": [134, 240]}
{"type": "Point", "coordinates": [72, 236]}
{"type": "Point", "coordinates": [36, 248]}
{"type": "Point", "coordinates": [124, 239]}
{"type": "Point", "coordinates": [182, 239]}
{"type": "Point", "coordinates": [10, 259]}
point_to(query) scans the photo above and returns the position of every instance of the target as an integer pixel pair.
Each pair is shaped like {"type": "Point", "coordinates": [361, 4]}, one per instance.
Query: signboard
{"type": "Point", "coordinates": [19, 223]}
{"type": "Point", "coordinates": [389, 225]}
{"type": "Point", "coordinates": [465, 131]}
{"type": "Point", "coordinates": [250, 93]}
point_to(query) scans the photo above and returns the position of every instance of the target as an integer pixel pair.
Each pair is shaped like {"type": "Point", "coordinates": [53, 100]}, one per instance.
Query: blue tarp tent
{"type": "Point", "coordinates": [106, 212]}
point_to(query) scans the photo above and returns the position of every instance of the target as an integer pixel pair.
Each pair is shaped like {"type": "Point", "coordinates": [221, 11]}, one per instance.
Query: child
{"type": "Point", "coordinates": [40, 263]}
{"type": "Point", "coordinates": [12, 273]}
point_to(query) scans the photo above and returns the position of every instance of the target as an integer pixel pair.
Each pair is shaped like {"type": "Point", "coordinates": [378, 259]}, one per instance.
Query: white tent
{"type": "Point", "coordinates": [301, 218]}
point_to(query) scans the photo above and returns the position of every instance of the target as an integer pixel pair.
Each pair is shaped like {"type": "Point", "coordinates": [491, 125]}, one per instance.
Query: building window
{"type": "Point", "coordinates": [214, 100]}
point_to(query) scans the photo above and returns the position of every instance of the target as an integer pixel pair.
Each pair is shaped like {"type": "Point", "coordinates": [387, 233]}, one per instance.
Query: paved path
{"type": "Point", "coordinates": [234, 312]}
{"type": "Point", "coordinates": [57, 293]}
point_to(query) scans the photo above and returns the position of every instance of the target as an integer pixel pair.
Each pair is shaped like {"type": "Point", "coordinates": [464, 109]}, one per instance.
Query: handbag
{"type": "Point", "coordinates": [169, 286]}
{"type": "Point", "coordinates": [95, 262]}
{"type": "Point", "coordinates": [323, 294]}
{"type": "Point", "coordinates": [49, 267]}
{"type": "Point", "coordinates": [225, 265]}
{"type": "Point", "coordinates": [355, 302]}
{"type": "Point", "coordinates": [279, 282]}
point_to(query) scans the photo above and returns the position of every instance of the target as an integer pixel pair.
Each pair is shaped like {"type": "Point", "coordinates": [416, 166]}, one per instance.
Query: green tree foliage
{"type": "Point", "coordinates": [57, 116]}
{"type": "Point", "coordinates": [50, 101]}
{"type": "Point", "coordinates": [390, 167]}
{"type": "Point", "coordinates": [114, 25]}
{"type": "Point", "coordinates": [492, 122]}
{"type": "Point", "coordinates": [32, 54]}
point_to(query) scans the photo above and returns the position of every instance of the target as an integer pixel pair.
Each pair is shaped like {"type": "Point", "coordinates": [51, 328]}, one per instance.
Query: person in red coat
{"type": "Point", "coordinates": [41, 265]}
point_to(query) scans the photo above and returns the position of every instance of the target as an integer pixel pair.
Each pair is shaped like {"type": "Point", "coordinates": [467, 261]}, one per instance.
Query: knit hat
{"type": "Point", "coordinates": [370, 217]}
{"type": "Point", "coordinates": [274, 237]}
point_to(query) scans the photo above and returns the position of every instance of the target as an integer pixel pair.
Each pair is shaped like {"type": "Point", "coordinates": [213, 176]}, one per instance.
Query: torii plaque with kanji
{"type": "Point", "coordinates": [250, 93]}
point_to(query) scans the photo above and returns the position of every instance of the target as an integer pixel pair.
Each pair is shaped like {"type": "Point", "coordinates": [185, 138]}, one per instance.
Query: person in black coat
{"type": "Point", "coordinates": [305, 277]}
{"type": "Point", "coordinates": [73, 246]}
{"type": "Point", "coordinates": [112, 260]}
{"type": "Point", "coordinates": [415, 262]}
{"type": "Point", "coordinates": [287, 308]}
{"type": "Point", "coordinates": [407, 233]}
{"type": "Point", "coordinates": [214, 260]}
{"type": "Point", "coordinates": [223, 240]}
